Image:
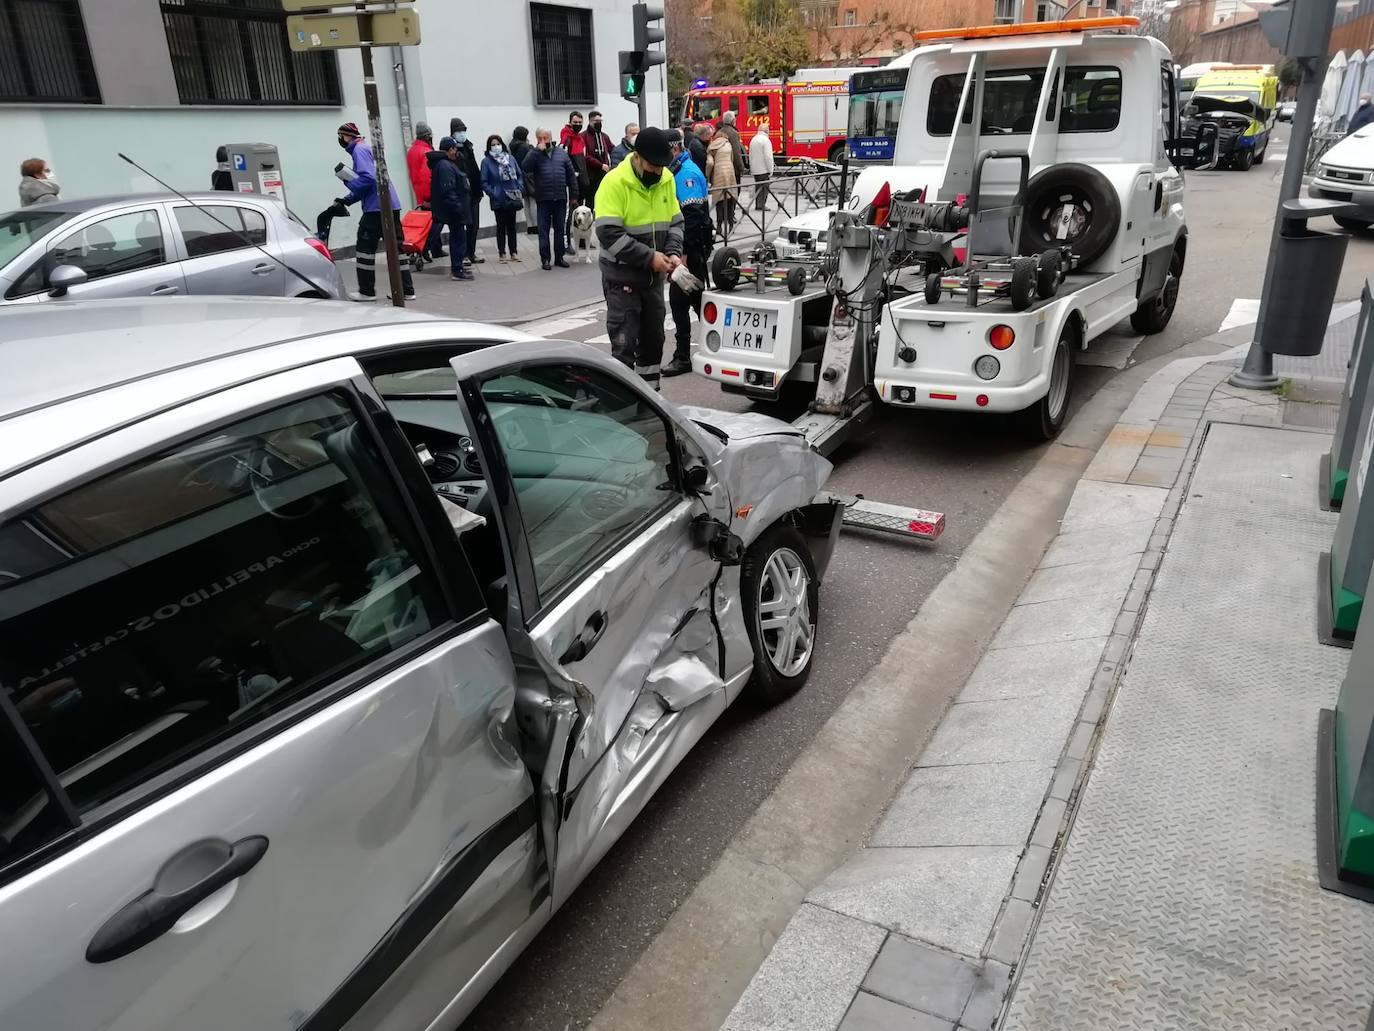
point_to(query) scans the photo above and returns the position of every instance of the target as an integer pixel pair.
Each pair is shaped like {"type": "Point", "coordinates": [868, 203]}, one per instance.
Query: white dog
{"type": "Point", "coordinates": [583, 239]}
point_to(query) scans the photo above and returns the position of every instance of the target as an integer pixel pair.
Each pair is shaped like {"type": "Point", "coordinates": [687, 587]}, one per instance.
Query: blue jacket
{"type": "Point", "coordinates": [620, 152]}
{"type": "Point", "coordinates": [553, 175]}
{"type": "Point", "coordinates": [495, 187]}
{"type": "Point", "coordinates": [694, 197]}
{"type": "Point", "coordinates": [449, 198]}
{"type": "Point", "coordinates": [363, 185]}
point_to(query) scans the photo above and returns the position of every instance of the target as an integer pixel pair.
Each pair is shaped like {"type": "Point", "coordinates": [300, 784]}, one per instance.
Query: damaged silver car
{"type": "Point", "coordinates": [339, 645]}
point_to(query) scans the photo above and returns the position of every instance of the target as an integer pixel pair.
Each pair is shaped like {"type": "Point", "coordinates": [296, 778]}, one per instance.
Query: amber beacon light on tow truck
{"type": "Point", "coordinates": [1035, 28]}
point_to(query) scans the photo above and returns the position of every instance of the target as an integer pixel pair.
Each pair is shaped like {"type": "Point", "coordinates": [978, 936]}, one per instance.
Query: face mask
{"type": "Point", "coordinates": [344, 141]}
{"type": "Point", "coordinates": [649, 178]}
{"type": "Point", "coordinates": [495, 150]}
{"type": "Point", "coordinates": [597, 125]}
{"type": "Point", "coordinates": [549, 146]}
{"type": "Point", "coordinates": [461, 137]}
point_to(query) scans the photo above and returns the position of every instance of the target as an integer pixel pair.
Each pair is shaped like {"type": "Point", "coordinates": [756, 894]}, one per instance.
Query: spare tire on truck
{"type": "Point", "coordinates": [1072, 206]}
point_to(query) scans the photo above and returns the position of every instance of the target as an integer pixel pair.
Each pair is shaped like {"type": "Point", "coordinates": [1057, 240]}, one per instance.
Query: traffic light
{"type": "Point", "coordinates": [631, 75]}
{"type": "Point", "coordinates": [634, 63]}
{"type": "Point", "coordinates": [646, 34]}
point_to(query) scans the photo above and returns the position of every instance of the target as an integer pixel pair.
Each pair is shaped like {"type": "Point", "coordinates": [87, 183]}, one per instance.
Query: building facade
{"type": "Point", "coordinates": [168, 81]}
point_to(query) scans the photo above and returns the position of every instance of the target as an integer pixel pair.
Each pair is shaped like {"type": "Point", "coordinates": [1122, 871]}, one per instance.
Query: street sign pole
{"type": "Point", "coordinates": [374, 129]}
{"type": "Point", "coordinates": [1305, 26]}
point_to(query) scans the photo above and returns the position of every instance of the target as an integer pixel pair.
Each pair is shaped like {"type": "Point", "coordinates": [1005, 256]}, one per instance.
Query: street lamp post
{"type": "Point", "coordinates": [1303, 26]}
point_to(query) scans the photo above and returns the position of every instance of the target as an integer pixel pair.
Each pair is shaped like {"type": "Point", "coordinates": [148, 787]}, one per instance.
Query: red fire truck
{"type": "Point", "coordinates": [807, 118]}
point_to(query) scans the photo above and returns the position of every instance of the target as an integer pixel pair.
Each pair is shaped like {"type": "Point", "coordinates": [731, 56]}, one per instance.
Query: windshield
{"type": "Point", "coordinates": [18, 229]}
{"type": "Point", "coordinates": [1228, 93]}
{"type": "Point", "coordinates": [875, 114]}
{"type": "Point", "coordinates": [1089, 102]}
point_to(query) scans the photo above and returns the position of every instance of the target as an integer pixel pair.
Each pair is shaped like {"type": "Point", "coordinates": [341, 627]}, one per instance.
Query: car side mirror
{"type": "Point", "coordinates": [695, 478]}
{"type": "Point", "coordinates": [63, 278]}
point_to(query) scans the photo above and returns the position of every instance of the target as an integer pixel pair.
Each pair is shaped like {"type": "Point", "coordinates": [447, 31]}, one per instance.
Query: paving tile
{"type": "Point", "coordinates": [1064, 620]}
{"type": "Point", "coordinates": [1081, 741]}
{"type": "Point", "coordinates": [1096, 505]}
{"type": "Point", "coordinates": [1012, 928]}
{"type": "Point", "coordinates": [1098, 544]}
{"type": "Point", "coordinates": [1065, 778]}
{"type": "Point", "coordinates": [1005, 730]}
{"type": "Point", "coordinates": [977, 804]}
{"type": "Point", "coordinates": [985, 1004]}
{"type": "Point", "coordinates": [870, 1013]}
{"type": "Point", "coordinates": [946, 896]}
{"type": "Point", "coordinates": [1171, 451]}
{"type": "Point", "coordinates": [1057, 668]}
{"type": "Point", "coordinates": [1030, 873]}
{"type": "Point", "coordinates": [923, 978]}
{"type": "Point", "coordinates": [808, 979]}
{"type": "Point", "coordinates": [1110, 578]}
{"type": "Point", "coordinates": [1157, 472]}
{"type": "Point", "coordinates": [1048, 825]}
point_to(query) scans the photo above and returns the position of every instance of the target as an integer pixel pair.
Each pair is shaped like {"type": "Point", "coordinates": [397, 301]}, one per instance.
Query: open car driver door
{"type": "Point", "coordinates": [611, 620]}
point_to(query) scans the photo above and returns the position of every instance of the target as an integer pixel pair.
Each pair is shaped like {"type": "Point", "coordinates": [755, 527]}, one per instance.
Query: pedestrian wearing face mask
{"type": "Point", "coordinates": [504, 185]}
{"type": "Point", "coordinates": [467, 161]}
{"type": "Point", "coordinates": [361, 180]}
{"type": "Point", "coordinates": [550, 171]}
{"type": "Point", "coordinates": [598, 147]}
{"type": "Point", "coordinates": [627, 143]}
{"type": "Point", "coordinates": [36, 185]}
{"type": "Point", "coordinates": [639, 227]}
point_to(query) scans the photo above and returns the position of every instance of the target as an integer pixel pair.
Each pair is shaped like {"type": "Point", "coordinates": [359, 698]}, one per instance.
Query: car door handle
{"type": "Point", "coordinates": [164, 290]}
{"type": "Point", "coordinates": [263, 269]}
{"type": "Point", "coordinates": [153, 914]}
{"type": "Point", "coordinates": [585, 641]}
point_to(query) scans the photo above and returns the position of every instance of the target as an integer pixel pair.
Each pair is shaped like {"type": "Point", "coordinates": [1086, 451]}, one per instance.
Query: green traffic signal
{"type": "Point", "coordinates": [631, 85]}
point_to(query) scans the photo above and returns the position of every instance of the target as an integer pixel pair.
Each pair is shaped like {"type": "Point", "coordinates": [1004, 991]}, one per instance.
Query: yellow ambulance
{"type": "Point", "coordinates": [1241, 101]}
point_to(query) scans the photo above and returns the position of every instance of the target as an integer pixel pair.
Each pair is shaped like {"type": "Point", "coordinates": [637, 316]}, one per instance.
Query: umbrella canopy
{"type": "Point", "coordinates": [1349, 97]}
{"type": "Point", "coordinates": [1331, 87]}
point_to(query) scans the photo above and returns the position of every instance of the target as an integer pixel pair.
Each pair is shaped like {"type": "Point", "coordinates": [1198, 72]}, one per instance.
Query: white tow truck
{"type": "Point", "coordinates": [1036, 199]}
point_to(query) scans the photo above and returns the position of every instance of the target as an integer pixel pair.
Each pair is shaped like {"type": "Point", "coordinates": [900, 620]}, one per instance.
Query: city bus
{"type": "Point", "coordinates": [875, 108]}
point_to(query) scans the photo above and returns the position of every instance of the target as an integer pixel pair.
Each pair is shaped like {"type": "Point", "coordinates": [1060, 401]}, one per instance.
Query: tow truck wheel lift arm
{"type": "Point", "coordinates": [844, 388]}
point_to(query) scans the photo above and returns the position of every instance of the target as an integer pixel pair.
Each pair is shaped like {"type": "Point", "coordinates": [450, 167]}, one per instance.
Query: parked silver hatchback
{"type": "Point", "coordinates": [159, 245]}
{"type": "Point", "coordinates": [338, 644]}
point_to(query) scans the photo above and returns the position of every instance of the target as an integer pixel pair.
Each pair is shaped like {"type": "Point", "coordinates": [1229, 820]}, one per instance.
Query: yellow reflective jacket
{"type": "Point", "coordinates": [633, 221]}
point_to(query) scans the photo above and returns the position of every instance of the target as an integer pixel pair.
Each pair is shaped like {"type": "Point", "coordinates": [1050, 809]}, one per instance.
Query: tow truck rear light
{"type": "Point", "coordinates": [882, 204]}
{"type": "Point", "coordinates": [981, 400]}
{"type": "Point", "coordinates": [706, 369]}
{"type": "Point", "coordinates": [319, 245]}
{"type": "Point", "coordinates": [758, 379]}
{"type": "Point", "coordinates": [730, 372]}
{"type": "Point", "coordinates": [1001, 337]}
{"type": "Point", "coordinates": [709, 312]}
{"type": "Point", "coordinates": [1033, 28]}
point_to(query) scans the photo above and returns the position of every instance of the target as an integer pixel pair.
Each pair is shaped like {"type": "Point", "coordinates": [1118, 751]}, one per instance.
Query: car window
{"type": "Point", "coordinates": [589, 457]}
{"type": "Point", "coordinates": [21, 229]}
{"type": "Point", "coordinates": [1090, 101]}
{"type": "Point", "coordinates": [120, 243]}
{"type": "Point", "coordinates": [706, 108]}
{"type": "Point", "coordinates": [757, 107]}
{"type": "Point", "coordinates": [211, 229]}
{"type": "Point", "coordinates": [161, 608]}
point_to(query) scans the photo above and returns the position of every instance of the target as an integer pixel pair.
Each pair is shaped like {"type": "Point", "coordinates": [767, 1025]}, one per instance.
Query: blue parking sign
{"type": "Point", "coordinates": [240, 163]}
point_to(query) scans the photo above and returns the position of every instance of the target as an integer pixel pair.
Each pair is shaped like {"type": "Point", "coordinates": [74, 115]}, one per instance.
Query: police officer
{"type": "Point", "coordinates": [694, 197]}
{"type": "Point", "coordinates": [639, 227]}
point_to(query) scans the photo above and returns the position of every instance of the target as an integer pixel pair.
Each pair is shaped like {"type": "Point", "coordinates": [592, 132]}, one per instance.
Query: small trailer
{"type": "Point", "coordinates": [1040, 203]}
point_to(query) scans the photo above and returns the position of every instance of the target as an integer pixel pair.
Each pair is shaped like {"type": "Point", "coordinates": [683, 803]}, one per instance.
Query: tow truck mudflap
{"type": "Point", "coordinates": [858, 512]}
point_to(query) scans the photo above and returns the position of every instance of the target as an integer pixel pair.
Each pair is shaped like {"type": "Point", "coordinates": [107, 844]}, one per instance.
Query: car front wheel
{"type": "Point", "coordinates": [781, 595]}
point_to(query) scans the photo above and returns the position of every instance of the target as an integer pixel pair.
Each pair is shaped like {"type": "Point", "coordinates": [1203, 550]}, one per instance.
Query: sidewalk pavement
{"type": "Point", "coordinates": [1184, 877]}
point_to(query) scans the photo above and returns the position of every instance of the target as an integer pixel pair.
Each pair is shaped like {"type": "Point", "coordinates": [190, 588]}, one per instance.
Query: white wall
{"type": "Point", "coordinates": [475, 61]}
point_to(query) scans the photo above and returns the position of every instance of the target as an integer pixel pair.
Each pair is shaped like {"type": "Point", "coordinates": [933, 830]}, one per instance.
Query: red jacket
{"type": "Point", "coordinates": [573, 141]}
{"type": "Point", "coordinates": [598, 158]}
{"type": "Point", "coordinates": [419, 170]}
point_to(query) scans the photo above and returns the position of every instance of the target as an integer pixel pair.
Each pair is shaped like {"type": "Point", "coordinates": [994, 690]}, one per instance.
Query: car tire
{"type": "Point", "coordinates": [1243, 160]}
{"type": "Point", "coordinates": [1259, 156]}
{"type": "Point", "coordinates": [836, 154]}
{"type": "Point", "coordinates": [796, 281]}
{"type": "Point", "coordinates": [1023, 280]}
{"type": "Point", "coordinates": [1355, 225]}
{"type": "Point", "coordinates": [725, 268]}
{"type": "Point", "coordinates": [1097, 208]}
{"type": "Point", "coordinates": [1048, 274]}
{"type": "Point", "coordinates": [1153, 315]}
{"type": "Point", "coordinates": [770, 571]}
{"type": "Point", "coordinates": [1043, 420]}
{"type": "Point", "coordinates": [934, 288]}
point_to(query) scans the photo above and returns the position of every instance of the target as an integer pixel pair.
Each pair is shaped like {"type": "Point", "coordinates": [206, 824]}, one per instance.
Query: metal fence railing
{"type": "Point", "coordinates": [1324, 137]}
{"type": "Point", "coordinates": [753, 212]}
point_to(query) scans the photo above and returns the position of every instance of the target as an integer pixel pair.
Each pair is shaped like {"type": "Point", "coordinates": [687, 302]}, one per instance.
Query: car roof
{"type": "Point", "coordinates": [106, 363]}
{"type": "Point", "coordinates": [80, 204]}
